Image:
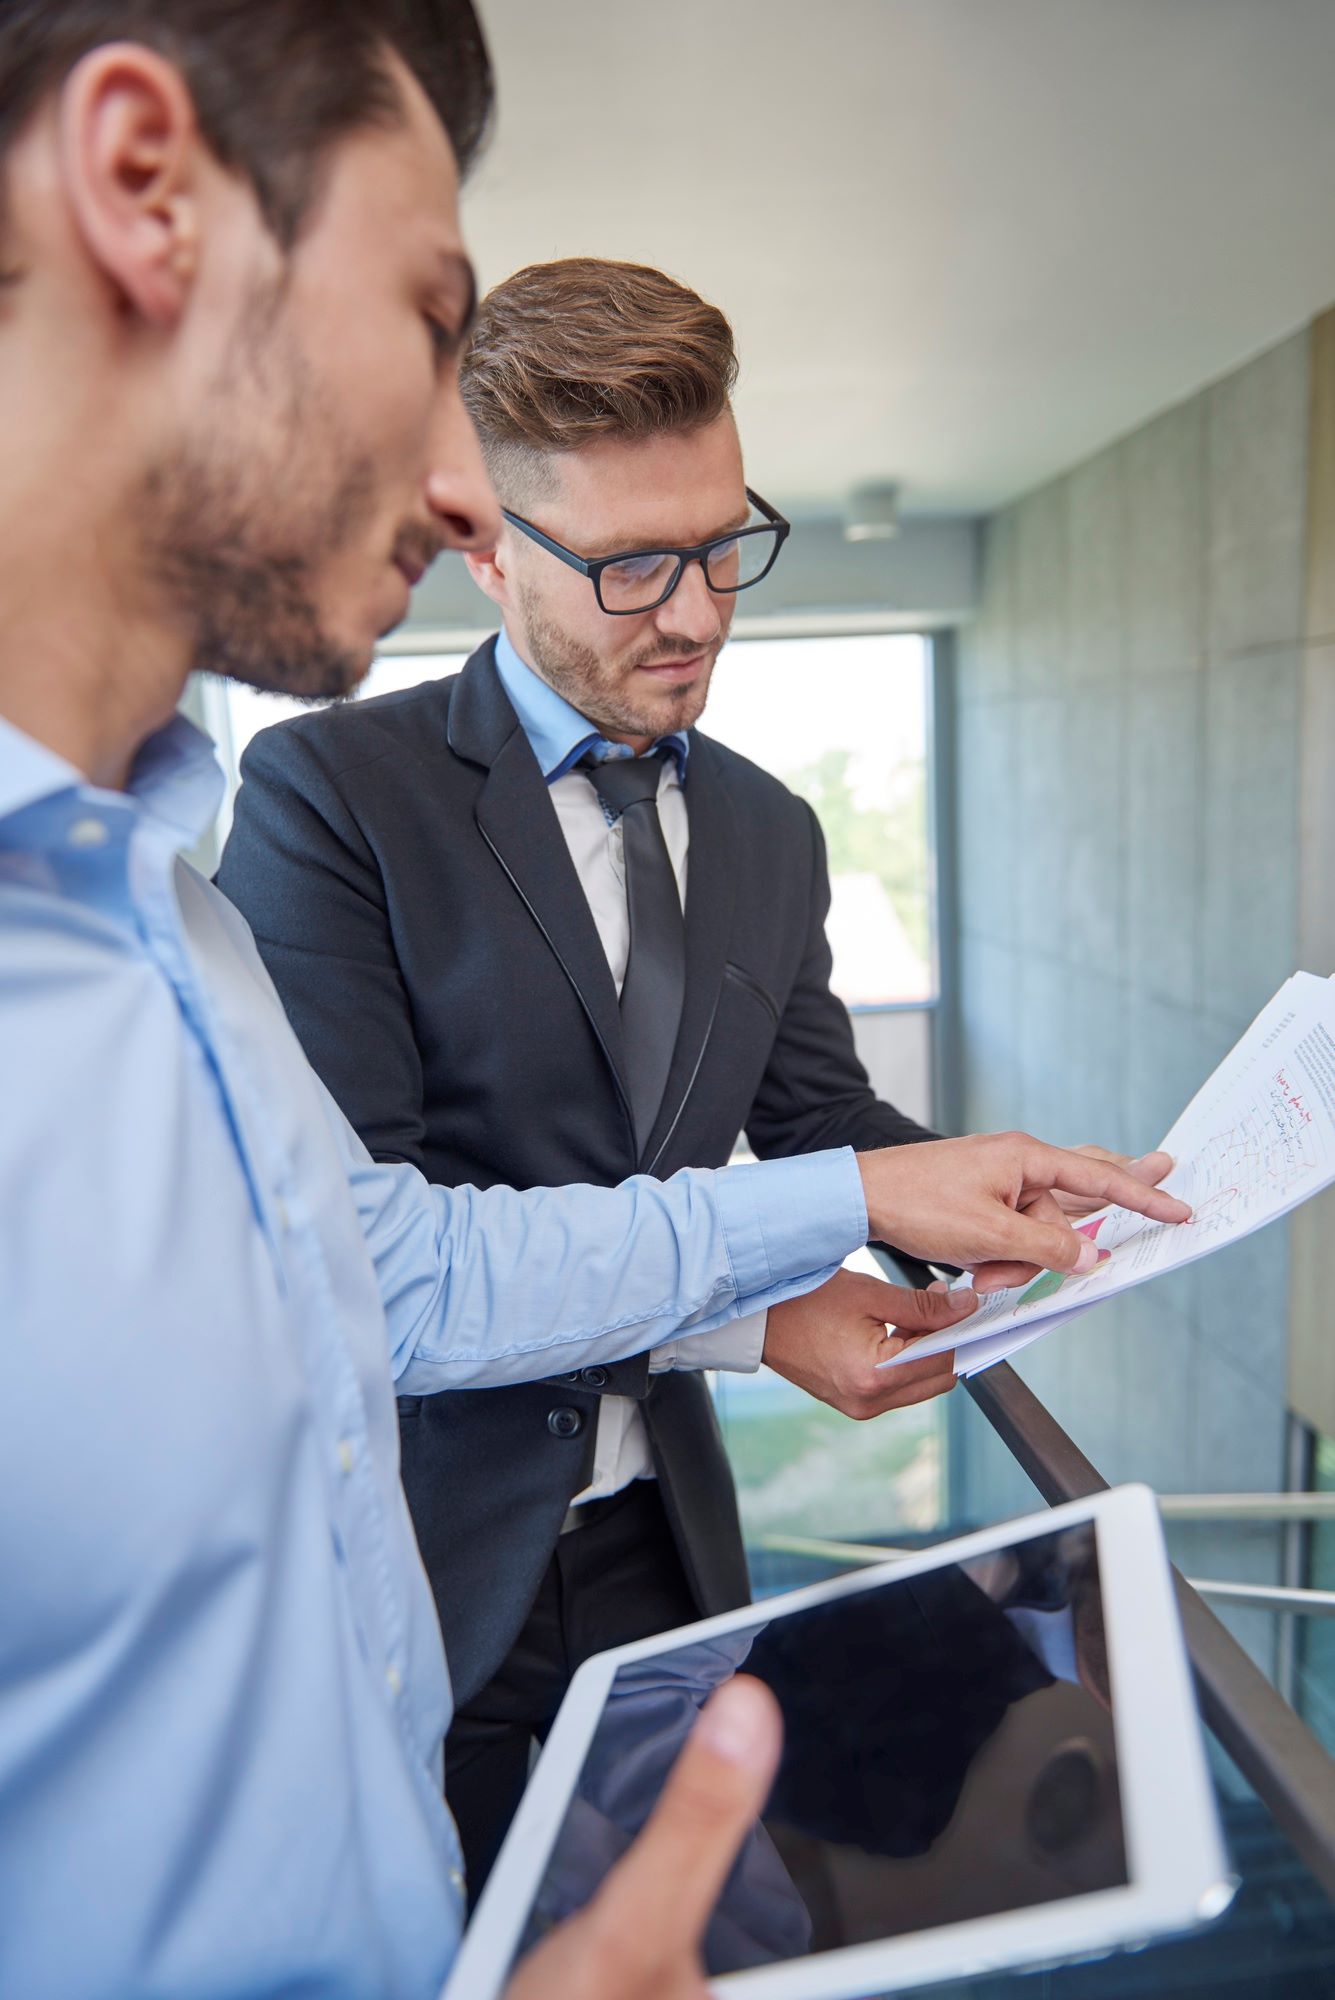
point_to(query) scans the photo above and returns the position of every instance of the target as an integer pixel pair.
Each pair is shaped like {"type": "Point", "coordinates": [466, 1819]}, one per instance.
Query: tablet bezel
{"type": "Point", "coordinates": [1178, 1872]}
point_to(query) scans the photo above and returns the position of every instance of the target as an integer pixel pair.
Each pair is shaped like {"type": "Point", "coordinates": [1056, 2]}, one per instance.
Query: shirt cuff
{"type": "Point", "coordinates": [737, 1347]}
{"type": "Point", "coordinates": [783, 1219]}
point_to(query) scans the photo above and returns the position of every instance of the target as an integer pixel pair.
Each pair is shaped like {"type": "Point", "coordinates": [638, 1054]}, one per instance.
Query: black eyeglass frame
{"type": "Point", "coordinates": [773, 524]}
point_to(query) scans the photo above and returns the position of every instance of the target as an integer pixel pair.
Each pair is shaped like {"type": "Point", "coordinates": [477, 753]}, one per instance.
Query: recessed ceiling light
{"type": "Point", "coordinates": [871, 513]}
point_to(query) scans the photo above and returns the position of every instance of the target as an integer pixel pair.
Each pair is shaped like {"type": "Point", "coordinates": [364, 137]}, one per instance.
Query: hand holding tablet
{"type": "Point", "coordinates": [991, 1757]}
{"type": "Point", "coordinates": [639, 1939]}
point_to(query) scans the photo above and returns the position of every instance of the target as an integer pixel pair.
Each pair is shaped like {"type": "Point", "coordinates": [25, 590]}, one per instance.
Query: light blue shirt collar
{"type": "Point", "coordinates": [175, 778]}
{"type": "Point", "coordinates": [29, 771]}
{"type": "Point", "coordinates": [559, 734]}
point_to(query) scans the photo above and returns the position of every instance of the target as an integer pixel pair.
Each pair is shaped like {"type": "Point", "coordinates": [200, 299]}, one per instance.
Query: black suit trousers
{"type": "Point", "coordinates": [617, 1579]}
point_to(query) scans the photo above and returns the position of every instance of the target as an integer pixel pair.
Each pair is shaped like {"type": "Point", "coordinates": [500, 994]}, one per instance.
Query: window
{"type": "Point", "coordinates": [844, 722]}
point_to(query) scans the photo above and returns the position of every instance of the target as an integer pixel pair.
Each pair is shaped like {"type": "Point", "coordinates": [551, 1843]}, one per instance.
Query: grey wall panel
{"type": "Point", "coordinates": [1131, 729]}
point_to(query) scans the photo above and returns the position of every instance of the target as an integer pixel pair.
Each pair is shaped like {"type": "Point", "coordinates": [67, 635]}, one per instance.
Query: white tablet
{"type": "Point", "coordinates": [992, 1758]}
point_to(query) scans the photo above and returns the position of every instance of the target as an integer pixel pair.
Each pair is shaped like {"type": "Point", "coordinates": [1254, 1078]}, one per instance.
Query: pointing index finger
{"type": "Point", "coordinates": [1076, 1173]}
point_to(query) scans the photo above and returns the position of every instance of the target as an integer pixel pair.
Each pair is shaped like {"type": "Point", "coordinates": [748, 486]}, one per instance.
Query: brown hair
{"type": "Point", "coordinates": [275, 82]}
{"type": "Point", "coordinates": [566, 353]}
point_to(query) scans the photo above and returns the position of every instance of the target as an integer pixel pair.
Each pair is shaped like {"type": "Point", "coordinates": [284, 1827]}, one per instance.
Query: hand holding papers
{"type": "Point", "coordinates": [1256, 1140]}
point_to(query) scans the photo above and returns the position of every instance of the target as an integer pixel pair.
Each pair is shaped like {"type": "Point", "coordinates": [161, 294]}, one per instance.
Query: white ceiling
{"type": "Point", "coordinates": [963, 242]}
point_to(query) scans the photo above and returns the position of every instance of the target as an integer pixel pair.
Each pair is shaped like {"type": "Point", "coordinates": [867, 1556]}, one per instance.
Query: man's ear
{"type": "Point", "coordinates": [130, 156]}
{"type": "Point", "coordinates": [490, 571]}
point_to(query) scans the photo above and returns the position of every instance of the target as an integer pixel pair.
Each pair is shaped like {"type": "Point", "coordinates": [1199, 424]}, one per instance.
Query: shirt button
{"type": "Point", "coordinates": [565, 1422]}
{"type": "Point", "coordinates": [281, 1214]}
{"type": "Point", "coordinates": [457, 1880]}
{"type": "Point", "coordinates": [347, 1457]}
{"type": "Point", "coordinates": [595, 1378]}
{"type": "Point", "coordinates": [88, 833]}
{"type": "Point", "coordinates": [394, 1680]}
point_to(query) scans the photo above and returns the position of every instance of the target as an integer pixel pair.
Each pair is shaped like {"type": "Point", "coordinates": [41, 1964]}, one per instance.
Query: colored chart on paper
{"type": "Point", "coordinates": [1052, 1281]}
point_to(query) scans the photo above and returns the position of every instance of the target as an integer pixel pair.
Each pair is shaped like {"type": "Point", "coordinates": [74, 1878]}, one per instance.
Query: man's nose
{"type": "Point", "coordinates": [458, 488]}
{"type": "Point", "coordinates": [693, 611]}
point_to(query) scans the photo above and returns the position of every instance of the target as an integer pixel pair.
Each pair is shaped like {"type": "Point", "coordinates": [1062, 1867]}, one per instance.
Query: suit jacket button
{"type": "Point", "coordinates": [565, 1422]}
{"type": "Point", "coordinates": [595, 1378]}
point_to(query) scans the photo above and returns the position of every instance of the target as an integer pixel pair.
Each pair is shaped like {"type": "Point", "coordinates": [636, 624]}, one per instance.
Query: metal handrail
{"type": "Point", "coordinates": [823, 1550]}
{"type": "Point", "coordinates": [1270, 1596]}
{"type": "Point", "coordinates": [1259, 1596]}
{"type": "Point", "coordinates": [1277, 1754]}
{"type": "Point", "coordinates": [1247, 1506]}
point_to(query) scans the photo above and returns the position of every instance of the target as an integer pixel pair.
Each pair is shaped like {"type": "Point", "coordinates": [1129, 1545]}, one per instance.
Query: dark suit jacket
{"type": "Point", "coordinates": [402, 867]}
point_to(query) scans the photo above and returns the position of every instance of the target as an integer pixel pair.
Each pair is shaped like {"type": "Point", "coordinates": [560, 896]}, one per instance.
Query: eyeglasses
{"type": "Point", "coordinates": [642, 579]}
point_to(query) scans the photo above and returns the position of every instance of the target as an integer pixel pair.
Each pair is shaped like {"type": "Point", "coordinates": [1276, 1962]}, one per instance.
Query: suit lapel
{"type": "Point", "coordinates": [516, 818]}
{"type": "Point", "coordinates": [709, 908]}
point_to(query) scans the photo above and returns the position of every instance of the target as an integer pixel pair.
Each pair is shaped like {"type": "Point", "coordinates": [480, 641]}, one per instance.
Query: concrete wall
{"type": "Point", "coordinates": [1131, 709]}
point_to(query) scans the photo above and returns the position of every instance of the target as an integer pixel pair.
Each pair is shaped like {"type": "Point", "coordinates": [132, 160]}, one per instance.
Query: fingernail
{"type": "Point", "coordinates": [1086, 1258]}
{"type": "Point", "coordinates": [938, 1285]}
{"type": "Point", "coordinates": [735, 1724]}
{"type": "Point", "coordinates": [965, 1302]}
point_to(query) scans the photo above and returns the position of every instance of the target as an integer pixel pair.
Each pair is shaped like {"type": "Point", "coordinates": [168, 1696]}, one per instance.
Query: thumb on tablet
{"type": "Point", "coordinates": [639, 1939]}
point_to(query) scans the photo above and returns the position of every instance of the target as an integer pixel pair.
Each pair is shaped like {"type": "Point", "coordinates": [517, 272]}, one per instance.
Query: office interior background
{"type": "Point", "coordinates": [1062, 273]}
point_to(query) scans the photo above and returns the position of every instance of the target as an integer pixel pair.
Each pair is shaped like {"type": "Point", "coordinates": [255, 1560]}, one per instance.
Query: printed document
{"type": "Point", "coordinates": [1257, 1139]}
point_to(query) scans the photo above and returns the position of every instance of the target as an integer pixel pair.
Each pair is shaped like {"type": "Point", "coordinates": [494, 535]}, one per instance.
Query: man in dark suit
{"type": "Point", "coordinates": [473, 898]}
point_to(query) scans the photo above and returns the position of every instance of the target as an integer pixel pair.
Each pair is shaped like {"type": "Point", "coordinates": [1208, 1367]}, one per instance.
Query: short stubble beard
{"type": "Point", "coordinates": [593, 687]}
{"type": "Point", "coordinates": [238, 521]}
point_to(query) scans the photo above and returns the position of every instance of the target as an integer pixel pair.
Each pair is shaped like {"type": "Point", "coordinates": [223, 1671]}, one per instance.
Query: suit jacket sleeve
{"type": "Point", "coordinates": [302, 873]}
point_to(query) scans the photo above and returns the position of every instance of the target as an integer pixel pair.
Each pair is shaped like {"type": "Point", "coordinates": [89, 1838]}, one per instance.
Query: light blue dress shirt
{"type": "Point", "coordinates": [222, 1693]}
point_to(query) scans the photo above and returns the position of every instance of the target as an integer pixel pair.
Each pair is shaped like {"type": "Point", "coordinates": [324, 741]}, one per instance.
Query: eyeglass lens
{"type": "Point", "coordinates": [640, 581]}
{"type": "Point", "coordinates": [636, 582]}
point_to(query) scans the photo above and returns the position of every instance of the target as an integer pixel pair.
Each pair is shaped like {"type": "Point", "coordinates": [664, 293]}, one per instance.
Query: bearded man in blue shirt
{"type": "Point", "coordinates": [234, 292]}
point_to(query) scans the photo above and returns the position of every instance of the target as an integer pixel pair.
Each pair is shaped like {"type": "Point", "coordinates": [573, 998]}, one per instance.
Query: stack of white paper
{"type": "Point", "coordinates": [1256, 1140]}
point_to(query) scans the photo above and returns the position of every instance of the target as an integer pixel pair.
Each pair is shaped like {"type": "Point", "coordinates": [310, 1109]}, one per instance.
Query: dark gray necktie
{"type": "Point", "coordinates": [655, 982]}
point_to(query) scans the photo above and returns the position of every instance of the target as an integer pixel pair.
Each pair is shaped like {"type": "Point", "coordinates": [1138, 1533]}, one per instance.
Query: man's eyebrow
{"type": "Point", "coordinates": [642, 547]}
{"type": "Point", "coordinates": [720, 535]}
{"type": "Point", "coordinates": [729, 527]}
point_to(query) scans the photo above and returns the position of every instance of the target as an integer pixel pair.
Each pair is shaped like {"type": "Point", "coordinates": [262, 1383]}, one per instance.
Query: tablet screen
{"type": "Point", "coordinates": [949, 1752]}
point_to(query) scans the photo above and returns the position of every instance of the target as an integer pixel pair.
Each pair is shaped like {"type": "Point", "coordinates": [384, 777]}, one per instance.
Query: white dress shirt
{"type": "Point", "coordinates": [621, 1449]}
